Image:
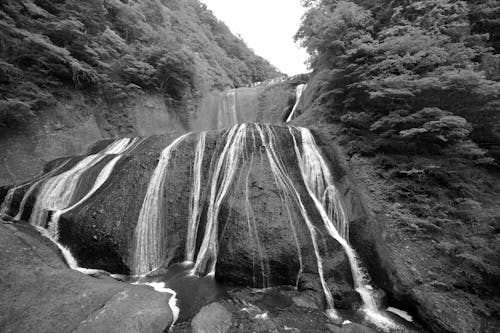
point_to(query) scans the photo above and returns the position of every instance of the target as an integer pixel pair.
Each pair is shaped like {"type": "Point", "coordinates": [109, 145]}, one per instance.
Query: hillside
{"type": "Point", "coordinates": [73, 72]}
{"type": "Point", "coordinates": [408, 92]}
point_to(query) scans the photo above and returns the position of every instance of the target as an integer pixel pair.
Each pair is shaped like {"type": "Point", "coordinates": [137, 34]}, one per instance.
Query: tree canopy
{"type": "Point", "coordinates": [409, 73]}
{"type": "Point", "coordinates": [115, 47]}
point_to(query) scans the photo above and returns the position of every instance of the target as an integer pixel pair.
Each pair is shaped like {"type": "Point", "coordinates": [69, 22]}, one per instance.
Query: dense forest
{"type": "Point", "coordinates": [115, 48]}
{"type": "Point", "coordinates": [410, 93]}
{"type": "Point", "coordinates": [406, 76]}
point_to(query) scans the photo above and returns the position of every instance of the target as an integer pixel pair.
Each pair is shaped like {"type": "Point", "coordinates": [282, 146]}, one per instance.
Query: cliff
{"type": "Point", "coordinates": [416, 126]}
{"type": "Point", "coordinates": [74, 72]}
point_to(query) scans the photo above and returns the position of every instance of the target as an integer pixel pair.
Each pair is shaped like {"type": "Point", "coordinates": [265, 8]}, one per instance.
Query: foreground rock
{"type": "Point", "coordinates": [213, 318]}
{"type": "Point", "coordinates": [40, 294]}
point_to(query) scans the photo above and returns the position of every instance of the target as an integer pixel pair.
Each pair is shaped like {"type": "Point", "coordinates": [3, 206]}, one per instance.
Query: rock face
{"type": "Point", "coordinates": [41, 294]}
{"type": "Point", "coordinates": [419, 262]}
{"type": "Point", "coordinates": [256, 224]}
{"type": "Point", "coordinates": [73, 125]}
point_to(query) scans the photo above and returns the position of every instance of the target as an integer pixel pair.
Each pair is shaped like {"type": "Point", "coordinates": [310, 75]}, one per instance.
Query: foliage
{"type": "Point", "coordinates": [173, 47]}
{"type": "Point", "coordinates": [411, 71]}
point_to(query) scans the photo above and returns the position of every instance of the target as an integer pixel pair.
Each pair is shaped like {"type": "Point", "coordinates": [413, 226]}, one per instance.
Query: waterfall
{"type": "Point", "coordinates": [298, 94]}
{"type": "Point", "coordinates": [57, 192]}
{"type": "Point", "coordinates": [226, 114]}
{"type": "Point", "coordinates": [100, 180]}
{"type": "Point", "coordinates": [290, 191]}
{"type": "Point", "coordinates": [239, 147]}
{"type": "Point", "coordinates": [7, 203]}
{"type": "Point", "coordinates": [321, 188]}
{"type": "Point", "coordinates": [223, 176]}
{"type": "Point", "coordinates": [149, 252]}
{"type": "Point", "coordinates": [319, 180]}
{"type": "Point", "coordinates": [194, 202]}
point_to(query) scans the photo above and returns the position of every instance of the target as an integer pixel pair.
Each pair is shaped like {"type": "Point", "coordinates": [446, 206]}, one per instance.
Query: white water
{"type": "Point", "coordinates": [320, 186]}
{"type": "Point", "coordinates": [223, 176]}
{"type": "Point", "coordinates": [289, 191]}
{"type": "Point", "coordinates": [401, 313]}
{"type": "Point", "coordinates": [149, 251]}
{"type": "Point", "coordinates": [298, 94]}
{"type": "Point", "coordinates": [6, 205]}
{"type": "Point", "coordinates": [194, 202]}
{"type": "Point", "coordinates": [100, 180]}
{"type": "Point", "coordinates": [150, 247]}
{"type": "Point", "coordinates": [57, 192]}
{"type": "Point", "coordinates": [227, 115]}
{"type": "Point", "coordinates": [172, 302]}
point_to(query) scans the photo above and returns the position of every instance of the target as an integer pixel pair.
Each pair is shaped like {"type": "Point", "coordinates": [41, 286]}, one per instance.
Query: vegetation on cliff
{"type": "Point", "coordinates": [409, 75]}
{"type": "Point", "coordinates": [411, 91]}
{"type": "Point", "coordinates": [115, 48]}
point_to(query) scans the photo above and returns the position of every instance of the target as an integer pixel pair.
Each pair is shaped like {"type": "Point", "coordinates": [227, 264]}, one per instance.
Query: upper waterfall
{"type": "Point", "coordinates": [298, 94]}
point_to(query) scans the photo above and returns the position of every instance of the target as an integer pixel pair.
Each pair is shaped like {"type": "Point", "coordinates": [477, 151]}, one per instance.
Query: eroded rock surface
{"type": "Point", "coordinates": [41, 294]}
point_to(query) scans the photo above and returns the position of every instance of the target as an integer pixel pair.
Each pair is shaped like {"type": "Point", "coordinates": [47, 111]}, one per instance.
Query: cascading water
{"type": "Point", "coordinates": [298, 94]}
{"type": "Point", "coordinates": [100, 180]}
{"type": "Point", "coordinates": [320, 186]}
{"type": "Point", "coordinates": [57, 192]}
{"type": "Point", "coordinates": [6, 207]}
{"type": "Point", "coordinates": [149, 250]}
{"type": "Point", "coordinates": [308, 197]}
{"type": "Point", "coordinates": [194, 203]}
{"type": "Point", "coordinates": [242, 144]}
{"type": "Point", "coordinates": [227, 115]}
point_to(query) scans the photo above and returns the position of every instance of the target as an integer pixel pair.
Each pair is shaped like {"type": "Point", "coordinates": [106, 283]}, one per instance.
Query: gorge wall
{"type": "Point", "coordinates": [75, 72]}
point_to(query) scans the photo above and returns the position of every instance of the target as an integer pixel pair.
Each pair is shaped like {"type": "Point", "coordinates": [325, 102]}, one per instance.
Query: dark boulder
{"type": "Point", "coordinates": [41, 294]}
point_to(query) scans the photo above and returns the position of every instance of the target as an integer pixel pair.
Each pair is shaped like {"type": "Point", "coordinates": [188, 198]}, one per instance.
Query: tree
{"type": "Point", "coordinates": [400, 60]}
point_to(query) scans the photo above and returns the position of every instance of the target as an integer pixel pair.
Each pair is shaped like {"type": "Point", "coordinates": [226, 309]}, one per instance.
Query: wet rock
{"type": "Point", "coordinates": [40, 294]}
{"type": "Point", "coordinates": [418, 265]}
{"type": "Point", "coordinates": [307, 300]}
{"type": "Point", "coordinates": [347, 300]}
{"type": "Point", "coordinates": [275, 300]}
{"type": "Point", "coordinates": [128, 311]}
{"type": "Point", "coordinates": [213, 318]}
{"type": "Point", "coordinates": [262, 241]}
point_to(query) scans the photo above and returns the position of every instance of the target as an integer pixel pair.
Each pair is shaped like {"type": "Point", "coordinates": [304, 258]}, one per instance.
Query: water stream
{"type": "Point", "coordinates": [300, 166]}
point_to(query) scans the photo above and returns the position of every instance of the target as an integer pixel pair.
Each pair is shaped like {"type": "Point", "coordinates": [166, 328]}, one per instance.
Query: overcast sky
{"type": "Point", "coordinates": [267, 26]}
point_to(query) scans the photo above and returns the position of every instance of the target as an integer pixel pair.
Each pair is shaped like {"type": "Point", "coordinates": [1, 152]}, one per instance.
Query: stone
{"type": "Point", "coordinates": [212, 318]}
{"type": "Point", "coordinates": [41, 294]}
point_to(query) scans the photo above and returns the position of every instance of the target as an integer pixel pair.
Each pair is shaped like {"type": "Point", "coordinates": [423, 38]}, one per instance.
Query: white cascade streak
{"type": "Point", "coordinates": [223, 176]}
{"type": "Point", "coordinates": [318, 179]}
{"type": "Point", "coordinates": [298, 94]}
{"type": "Point", "coordinates": [224, 169]}
{"type": "Point", "coordinates": [149, 235]}
{"type": "Point", "coordinates": [100, 180]}
{"type": "Point", "coordinates": [6, 205]}
{"type": "Point", "coordinates": [227, 115]}
{"type": "Point", "coordinates": [286, 185]}
{"type": "Point", "coordinates": [57, 192]}
{"type": "Point", "coordinates": [194, 202]}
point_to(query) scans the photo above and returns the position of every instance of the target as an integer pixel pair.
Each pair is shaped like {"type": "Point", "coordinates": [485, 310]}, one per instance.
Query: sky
{"type": "Point", "coordinates": [267, 26]}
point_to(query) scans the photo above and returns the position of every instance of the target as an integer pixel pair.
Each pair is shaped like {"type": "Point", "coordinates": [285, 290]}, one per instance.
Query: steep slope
{"type": "Point", "coordinates": [73, 72]}
{"type": "Point", "coordinates": [401, 93]}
